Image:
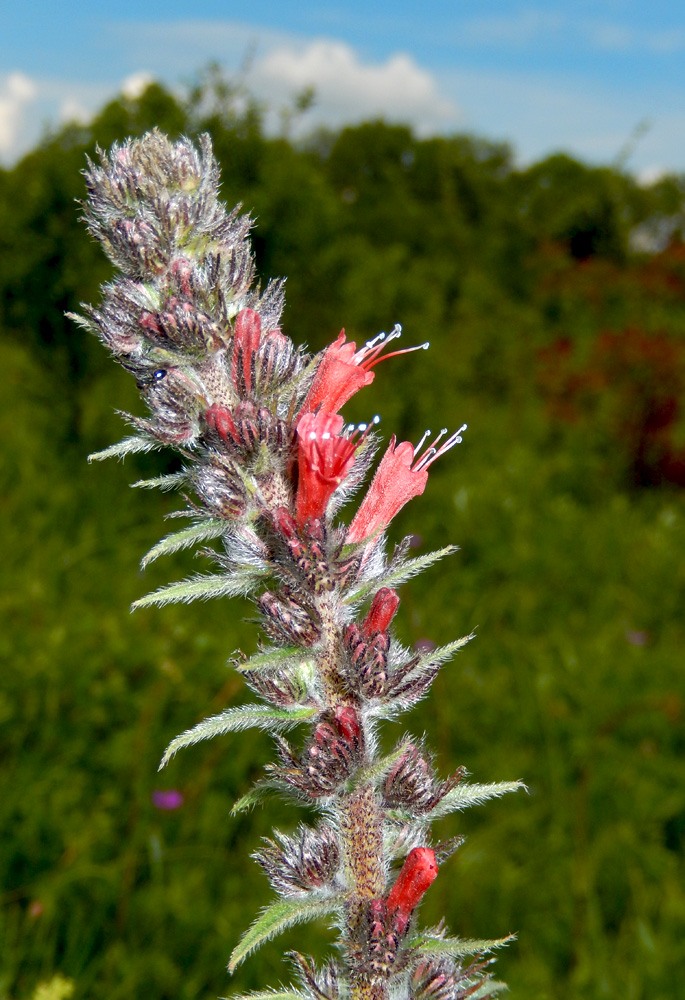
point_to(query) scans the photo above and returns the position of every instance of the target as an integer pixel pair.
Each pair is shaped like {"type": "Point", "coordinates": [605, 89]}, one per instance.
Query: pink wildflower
{"type": "Point", "coordinates": [344, 370]}
{"type": "Point", "coordinates": [400, 477]}
{"type": "Point", "coordinates": [325, 457]}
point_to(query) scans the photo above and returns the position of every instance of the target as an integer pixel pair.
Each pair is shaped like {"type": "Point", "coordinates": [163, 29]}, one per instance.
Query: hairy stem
{"type": "Point", "coordinates": [360, 824]}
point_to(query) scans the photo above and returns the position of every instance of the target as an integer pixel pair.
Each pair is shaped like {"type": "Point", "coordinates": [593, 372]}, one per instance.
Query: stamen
{"type": "Point", "coordinates": [431, 454]}
{"type": "Point", "coordinates": [370, 345]}
{"type": "Point", "coordinates": [351, 431]}
{"type": "Point", "coordinates": [417, 449]}
{"type": "Point", "coordinates": [367, 356]}
{"type": "Point", "coordinates": [394, 354]}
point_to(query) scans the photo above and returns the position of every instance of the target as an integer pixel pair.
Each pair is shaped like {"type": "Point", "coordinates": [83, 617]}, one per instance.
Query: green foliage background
{"type": "Point", "coordinates": [571, 565]}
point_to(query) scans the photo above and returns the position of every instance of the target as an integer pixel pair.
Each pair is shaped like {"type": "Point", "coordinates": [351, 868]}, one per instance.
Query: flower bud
{"type": "Point", "coordinates": [382, 611]}
{"type": "Point", "coordinates": [418, 872]}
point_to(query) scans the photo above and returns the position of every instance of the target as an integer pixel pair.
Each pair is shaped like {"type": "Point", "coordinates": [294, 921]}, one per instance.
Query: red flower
{"type": "Point", "coordinates": [344, 370]}
{"type": "Point", "coordinates": [400, 477]}
{"type": "Point", "coordinates": [382, 611]}
{"type": "Point", "coordinates": [324, 459]}
{"type": "Point", "coordinates": [248, 327]}
{"type": "Point", "coordinates": [418, 872]}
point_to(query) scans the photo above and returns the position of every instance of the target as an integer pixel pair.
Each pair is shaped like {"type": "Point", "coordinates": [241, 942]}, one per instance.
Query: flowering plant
{"type": "Point", "coordinates": [270, 461]}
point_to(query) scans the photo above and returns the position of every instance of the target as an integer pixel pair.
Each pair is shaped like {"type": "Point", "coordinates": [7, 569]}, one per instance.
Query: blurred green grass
{"type": "Point", "coordinates": [570, 571]}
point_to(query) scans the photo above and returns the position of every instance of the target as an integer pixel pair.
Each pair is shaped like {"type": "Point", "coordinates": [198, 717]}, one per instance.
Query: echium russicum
{"type": "Point", "coordinates": [267, 463]}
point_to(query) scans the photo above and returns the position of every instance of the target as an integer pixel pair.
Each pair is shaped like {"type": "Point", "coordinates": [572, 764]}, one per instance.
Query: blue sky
{"type": "Point", "coordinates": [576, 76]}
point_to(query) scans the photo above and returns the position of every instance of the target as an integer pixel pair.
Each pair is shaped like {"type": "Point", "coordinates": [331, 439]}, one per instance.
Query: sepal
{"type": "Point", "coordinates": [445, 979]}
{"type": "Point", "coordinates": [306, 861]}
{"type": "Point", "coordinates": [320, 984]}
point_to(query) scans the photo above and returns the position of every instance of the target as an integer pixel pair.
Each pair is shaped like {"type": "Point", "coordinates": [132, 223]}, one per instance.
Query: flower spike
{"type": "Point", "coordinates": [266, 461]}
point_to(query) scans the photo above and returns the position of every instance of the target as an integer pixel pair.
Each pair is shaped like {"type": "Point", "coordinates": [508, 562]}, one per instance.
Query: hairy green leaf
{"type": "Point", "coordinates": [166, 482]}
{"type": "Point", "coordinates": [201, 531]}
{"type": "Point", "coordinates": [380, 767]}
{"type": "Point", "coordinates": [277, 918]}
{"type": "Point", "coordinates": [129, 446]}
{"type": "Point", "coordinates": [201, 588]}
{"type": "Point", "coordinates": [287, 994]}
{"type": "Point", "coordinates": [399, 573]}
{"type": "Point", "coordinates": [274, 657]}
{"type": "Point", "coordinates": [427, 944]}
{"type": "Point", "coordinates": [444, 653]}
{"type": "Point", "coordinates": [489, 989]}
{"type": "Point", "coordinates": [465, 795]}
{"type": "Point", "coordinates": [259, 791]}
{"type": "Point", "coordinates": [233, 720]}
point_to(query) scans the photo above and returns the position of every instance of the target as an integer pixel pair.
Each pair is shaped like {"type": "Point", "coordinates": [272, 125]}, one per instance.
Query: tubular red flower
{"type": "Point", "coordinates": [248, 328]}
{"type": "Point", "coordinates": [344, 370]}
{"type": "Point", "coordinates": [400, 477]}
{"type": "Point", "coordinates": [418, 873]}
{"type": "Point", "coordinates": [338, 377]}
{"type": "Point", "coordinates": [382, 611]}
{"type": "Point", "coordinates": [324, 459]}
{"type": "Point", "coordinates": [394, 485]}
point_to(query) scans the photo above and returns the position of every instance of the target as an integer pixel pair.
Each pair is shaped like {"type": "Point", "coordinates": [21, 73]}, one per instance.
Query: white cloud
{"type": "Point", "coordinates": [348, 90]}
{"type": "Point", "coordinates": [136, 84]}
{"type": "Point", "coordinates": [26, 105]}
{"type": "Point", "coordinates": [650, 175]}
{"type": "Point", "coordinates": [16, 93]}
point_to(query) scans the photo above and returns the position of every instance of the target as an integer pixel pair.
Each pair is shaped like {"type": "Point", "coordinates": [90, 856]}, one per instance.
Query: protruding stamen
{"type": "Point", "coordinates": [367, 355]}
{"type": "Point", "coordinates": [375, 342]}
{"type": "Point", "coordinates": [419, 446]}
{"type": "Point", "coordinates": [394, 354]}
{"type": "Point", "coordinates": [430, 455]}
{"type": "Point", "coordinates": [363, 430]}
{"type": "Point", "coordinates": [425, 459]}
